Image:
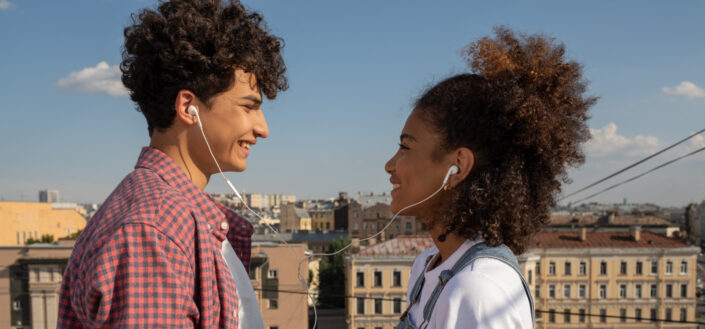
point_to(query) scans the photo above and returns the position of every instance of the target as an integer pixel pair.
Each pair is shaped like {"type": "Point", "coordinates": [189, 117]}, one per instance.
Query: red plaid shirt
{"type": "Point", "coordinates": [150, 257]}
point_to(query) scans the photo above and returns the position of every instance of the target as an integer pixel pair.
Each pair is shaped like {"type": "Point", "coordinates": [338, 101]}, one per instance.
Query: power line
{"type": "Point", "coordinates": [633, 165]}
{"type": "Point", "coordinates": [537, 311]}
{"type": "Point", "coordinates": [637, 176]}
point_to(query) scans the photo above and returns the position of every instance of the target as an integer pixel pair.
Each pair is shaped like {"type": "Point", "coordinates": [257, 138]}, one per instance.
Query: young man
{"type": "Point", "coordinates": [153, 255]}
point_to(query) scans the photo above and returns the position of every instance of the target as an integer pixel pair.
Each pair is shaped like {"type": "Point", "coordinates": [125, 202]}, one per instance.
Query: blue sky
{"type": "Point", "coordinates": [354, 69]}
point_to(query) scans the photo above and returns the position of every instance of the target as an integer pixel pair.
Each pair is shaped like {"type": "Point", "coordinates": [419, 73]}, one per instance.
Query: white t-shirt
{"type": "Point", "coordinates": [486, 294]}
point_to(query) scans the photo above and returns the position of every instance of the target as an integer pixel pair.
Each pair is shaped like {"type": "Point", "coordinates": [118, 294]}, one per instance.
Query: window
{"type": "Point", "coordinates": [669, 290]}
{"type": "Point", "coordinates": [581, 291]}
{"type": "Point", "coordinates": [552, 316]}
{"type": "Point", "coordinates": [360, 305]}
{"type": "Point", "coordinates": [623, 268]}
{"type": "Point", "coordinates": [637, 314]}
{"type": "Point", "coordinates": [669, 267]}
{"type": "Point", "coordinates": [684, 314]}
{"type": "Point", "coordinates": [603, 291]}
{"type": "Point", "coordinates": [654, 291]}
{"type": "Point", "coordinates": [408, 226]}
{"type": "Point", "coordinates": [654, 267]}
{"type": "Point", "coordinates": [378, 279]}
{"type": "Point", "coordinates": [566, 291]}
{"type": "Point", "coordinates": [638, 268]}
{"type": "Point", "coordinates": [396, 278]}
{"type": "Point", "coordinates": [637, 290]}
{"type": "Point", "coordinates": [360, 279]}
{"type": "Point", "coordinates": [378, 306]}
{"type": "Point", "coordinates": [684, 290]}
{"type": "Point", "coordinates": [581, 315]}
{"type": "Point", "coordinates": [582, 269]}
{"type": "Point", "coordinates": [566, 315]}
{"type": "Point", "coordinates": [551, 268]}
{"type": "Point", "coordinates": [17, 305]}
{"type": "Point", "coordinates": [551, 291]}
{"type": "Point", "coordinates": [538, 268]}
{"type": "Point", "coordinates": [397, 305]}
{"type": "Point", "coordinates": [272, 274]}
{"type": "Point", "coordinates": [622, 315]}
{"type": "Point", "coordinates": [273, 327]}
{"type": "Point", "coordinates": [603, 315]}
{"type": "Point", "coordinates": [684, 267]}
{"type": "Point", "coordinates": [531, 279]}
{"type": "Point", "coordinates": [538, 291]}
{"type": "Point", "coordinates": [603, 268]}
{"type": "Point", "coordinates": [653, 314]}
{"type": "Point", "coordinates": [273, 304]}
{"type": "Point", "coordinates": [622, 291]}
{"type": "Point", "coordinates": [567, 269]}
{"type": "Point", "coordinates": [668, 314]}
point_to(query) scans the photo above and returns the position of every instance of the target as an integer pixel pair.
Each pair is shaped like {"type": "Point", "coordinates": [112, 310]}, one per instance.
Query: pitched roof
{"type": "Point", "coordinates": [404, 245]}
{"type": "Point", "coordinates": [604, 220]}
{"type": "Point", "coordinates": [548, 240]}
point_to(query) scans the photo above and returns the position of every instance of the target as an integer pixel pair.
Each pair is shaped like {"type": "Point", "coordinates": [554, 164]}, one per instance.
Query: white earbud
{"type": "Point", "coordinates": [192, 110]}
{"type": "Point", "coordinates": [451, 171]}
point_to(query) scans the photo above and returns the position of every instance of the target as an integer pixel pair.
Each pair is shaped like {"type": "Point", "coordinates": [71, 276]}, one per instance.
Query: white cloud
{"type": "Point", "coordinates": [102, 78]}
{"type": "Point", "coordinates": [606, 142]}
{"type": "Point", "coordinates": [4, 4]}
{"type": "Point", "coordinates": [685, 88]}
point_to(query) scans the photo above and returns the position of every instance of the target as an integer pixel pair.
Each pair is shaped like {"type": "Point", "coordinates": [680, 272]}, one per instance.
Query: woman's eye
{"type": "Point", "coordinates": [403, 147]}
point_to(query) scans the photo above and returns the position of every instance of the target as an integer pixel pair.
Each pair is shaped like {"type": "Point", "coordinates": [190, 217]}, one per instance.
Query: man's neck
{"type": "Point", "coordinates": [176, 148]}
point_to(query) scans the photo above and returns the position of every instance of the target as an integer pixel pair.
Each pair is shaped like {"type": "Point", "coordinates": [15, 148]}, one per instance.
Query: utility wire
{"type": "Point", "coordinates": [633, 165]}
{"type": "Point", "coordinates": [640, 175]}
{"type": "Point", "coordinates": [556, 312]}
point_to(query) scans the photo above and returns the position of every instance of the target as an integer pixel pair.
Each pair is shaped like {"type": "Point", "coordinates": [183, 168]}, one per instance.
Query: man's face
{"type": "Point", "coordinates": [232, 125]}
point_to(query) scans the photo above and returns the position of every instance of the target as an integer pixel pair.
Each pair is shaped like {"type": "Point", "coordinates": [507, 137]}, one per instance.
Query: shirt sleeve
{"type": "Point", "coordinates": [138, 279]}
{"type": "Point", "coordinates": [478, 301]}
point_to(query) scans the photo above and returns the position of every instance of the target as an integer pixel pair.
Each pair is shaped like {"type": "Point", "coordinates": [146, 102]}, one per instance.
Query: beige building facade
{"type": "Point", "coordinates": [273, 269]}
{"type": "Point", "coordinates": [613, 280]}
{"type": "Point", "coordinates": [23, 220]}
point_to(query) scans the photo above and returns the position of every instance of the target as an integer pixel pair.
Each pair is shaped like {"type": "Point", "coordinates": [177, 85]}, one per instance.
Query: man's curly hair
{"type": "Point", "coordinates": [522, 112]}
{"type": "Point", "coordinates": [196, 45]}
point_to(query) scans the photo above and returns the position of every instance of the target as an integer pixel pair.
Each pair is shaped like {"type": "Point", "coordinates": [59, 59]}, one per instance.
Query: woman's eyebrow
{"type": "Point", "coordinates": [402, 137]}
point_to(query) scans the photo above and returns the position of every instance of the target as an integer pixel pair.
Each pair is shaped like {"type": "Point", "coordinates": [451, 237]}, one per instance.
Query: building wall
{"type": "Point", "coordinates": [291, 311]}
{"type": "Point", "coordinates": [566, 287]}
{"type": "Point", "coordinates": [367, 267]}
{"type": "Point", "coordinates": [322, 219]}
{"type": "Point", "coordinates": [24, 220]}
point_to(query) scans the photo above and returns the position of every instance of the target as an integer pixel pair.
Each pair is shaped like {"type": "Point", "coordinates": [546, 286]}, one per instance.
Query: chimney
{"type": "Point", "coordinates": [583, 233]}
{"type": "Point", "coordinates": [635, 232]}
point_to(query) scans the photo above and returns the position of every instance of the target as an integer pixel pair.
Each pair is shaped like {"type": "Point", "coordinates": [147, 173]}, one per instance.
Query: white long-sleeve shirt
{"type": "Point", "coordinates": [486, 294]}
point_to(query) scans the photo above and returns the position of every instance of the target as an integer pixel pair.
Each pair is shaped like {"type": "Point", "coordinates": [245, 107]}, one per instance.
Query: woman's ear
{"type": "Point", "coordinates": [184, 99]}
{"type": "Point", "coordinates": [464, 159]}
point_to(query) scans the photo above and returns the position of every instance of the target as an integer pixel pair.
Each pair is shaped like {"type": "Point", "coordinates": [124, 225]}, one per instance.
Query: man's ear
{"type": "Point", "coordinates": [464, 159]}
{"type": "Point", "coordinates": [184, 99]}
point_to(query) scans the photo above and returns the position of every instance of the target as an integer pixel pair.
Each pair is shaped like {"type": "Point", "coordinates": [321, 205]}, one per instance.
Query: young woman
{"type": "Point", "coordinates": [510, 128]}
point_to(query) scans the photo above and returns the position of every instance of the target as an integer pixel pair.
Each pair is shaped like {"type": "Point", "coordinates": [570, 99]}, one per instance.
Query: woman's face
{"type": "Point", "coordinates": [415, 174]}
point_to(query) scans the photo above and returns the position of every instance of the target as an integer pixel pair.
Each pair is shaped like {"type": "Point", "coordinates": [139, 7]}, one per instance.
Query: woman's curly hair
{"type": "Point", "coordinates": [196, 45]}
{"type": "Point", "coordinates": [523, 114]}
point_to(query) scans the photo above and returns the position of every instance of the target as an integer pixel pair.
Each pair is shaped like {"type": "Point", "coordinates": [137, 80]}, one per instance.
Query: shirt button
{"type": "Point", "coordinates": [209, 226]}
{"type": "Point", "coordinates": [224, 226]}
{"type": "Point", "coordinates": [235, 314]}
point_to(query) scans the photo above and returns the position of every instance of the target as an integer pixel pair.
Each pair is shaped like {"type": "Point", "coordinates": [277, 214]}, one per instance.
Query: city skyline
{"type": "Point", "coordinates": [354, 70]}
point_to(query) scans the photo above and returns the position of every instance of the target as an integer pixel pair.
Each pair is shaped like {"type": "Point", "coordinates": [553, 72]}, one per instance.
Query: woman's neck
{"type": "Point", "coordinates": [449, 245]}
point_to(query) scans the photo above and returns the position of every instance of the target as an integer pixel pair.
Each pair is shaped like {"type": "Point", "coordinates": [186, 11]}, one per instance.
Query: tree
{"type": "Point", "coordinates": [45, 238]}
{"type": "Point", "coordinates": [331, 278]}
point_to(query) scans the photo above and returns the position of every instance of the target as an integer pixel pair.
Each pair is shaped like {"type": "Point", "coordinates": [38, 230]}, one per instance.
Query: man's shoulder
{"type": "Point", "coordinates": [143, 198]}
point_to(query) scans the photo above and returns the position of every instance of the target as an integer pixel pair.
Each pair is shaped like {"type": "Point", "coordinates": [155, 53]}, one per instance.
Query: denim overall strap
{"type": "Point", "coordinates": [480, 250]}
{"type": "Point", "coordinates": [415, 293]}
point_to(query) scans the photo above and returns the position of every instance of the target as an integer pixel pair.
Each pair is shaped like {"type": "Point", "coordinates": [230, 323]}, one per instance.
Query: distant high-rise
{"type": "Point", "coordinates": [48, 195]}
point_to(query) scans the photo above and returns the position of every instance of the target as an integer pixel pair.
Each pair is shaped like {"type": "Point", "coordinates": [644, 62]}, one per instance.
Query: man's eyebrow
{"type": "Point", "coordinates": [402, 137]}
{"type": "Point", "coordinates": [253, 98]}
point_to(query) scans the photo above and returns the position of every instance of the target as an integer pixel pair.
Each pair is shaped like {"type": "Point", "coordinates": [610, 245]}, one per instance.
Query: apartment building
{"type": "Point", "coordinates": [613, 280]}
{"type": "Point", "coordinates": [24, 220]}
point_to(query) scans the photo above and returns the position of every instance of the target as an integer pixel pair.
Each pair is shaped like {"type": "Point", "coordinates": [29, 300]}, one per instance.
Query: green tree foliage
{"type": "Point", "coordinates": [45, 238]}
{"type": "Point", "coordinates": [75, 235]}
{"type": "Point", "coordinates": [331, 278]}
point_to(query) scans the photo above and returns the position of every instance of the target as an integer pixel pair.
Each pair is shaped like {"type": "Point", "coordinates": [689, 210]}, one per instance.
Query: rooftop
{"type": "Point", "coordinates": [605, 220]}
{"type": "Point", "coordinates": [548, 240]}
{"type": "Point", "coordinates": [404, 245]}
